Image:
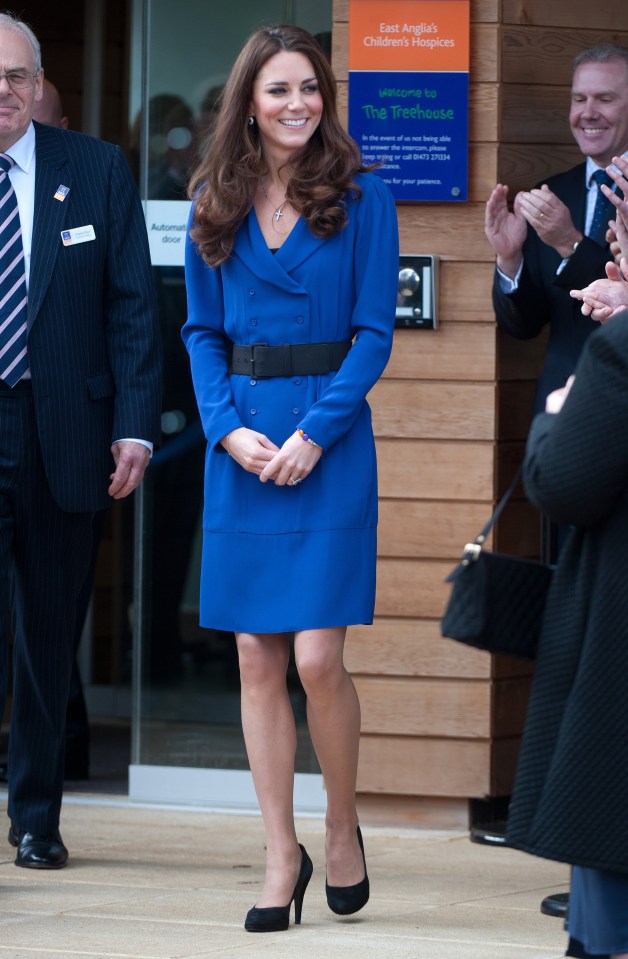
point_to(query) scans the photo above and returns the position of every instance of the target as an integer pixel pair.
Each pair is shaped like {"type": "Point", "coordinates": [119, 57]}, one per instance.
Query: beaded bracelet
{"type": "Point", "coordinates": [308, 439]}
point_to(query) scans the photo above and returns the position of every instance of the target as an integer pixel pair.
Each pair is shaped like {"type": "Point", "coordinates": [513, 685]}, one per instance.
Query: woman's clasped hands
{"type": "Point", "coordinates": [293, 463]}
{"type": "Point", "coordinates": [285, 466]}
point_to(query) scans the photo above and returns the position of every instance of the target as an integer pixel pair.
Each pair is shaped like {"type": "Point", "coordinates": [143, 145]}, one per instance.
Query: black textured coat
{"type": "Point", "coordinates": [570, 801]}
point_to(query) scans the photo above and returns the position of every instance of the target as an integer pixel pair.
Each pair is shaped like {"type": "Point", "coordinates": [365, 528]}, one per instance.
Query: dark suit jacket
{"type": "Point", "coordinates": [93, 340]}
{"type": "Point", "coordinates": [569, 801]}
{"type": "Point", "coordinates": [543, 297]}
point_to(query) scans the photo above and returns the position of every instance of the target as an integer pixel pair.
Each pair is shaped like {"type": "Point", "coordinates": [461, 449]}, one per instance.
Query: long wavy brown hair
{"type": "Point", "coordinates": [224, 183]}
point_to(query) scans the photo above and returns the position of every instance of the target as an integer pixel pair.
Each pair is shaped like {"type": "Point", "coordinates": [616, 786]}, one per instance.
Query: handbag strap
{"type": "Point", "coordinates": [473, 550]}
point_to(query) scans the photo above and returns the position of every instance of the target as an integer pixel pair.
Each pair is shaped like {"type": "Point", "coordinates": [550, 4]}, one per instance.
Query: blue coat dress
{"type": "Point", "coordinates": [284, 558]}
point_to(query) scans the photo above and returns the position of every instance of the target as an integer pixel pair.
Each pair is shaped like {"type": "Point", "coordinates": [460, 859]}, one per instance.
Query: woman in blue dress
{"type": "Point", "coordinates": [291, 271]}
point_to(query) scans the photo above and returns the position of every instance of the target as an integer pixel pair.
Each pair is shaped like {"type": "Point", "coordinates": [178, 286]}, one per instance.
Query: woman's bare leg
{"type": "Point", "coordinates": [270, 737]}
{"type": "Point", "coordinates": [333, 712]}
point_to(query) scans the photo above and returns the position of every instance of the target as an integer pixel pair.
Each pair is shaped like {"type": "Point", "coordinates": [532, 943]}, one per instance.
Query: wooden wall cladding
{"type": "Point", "coordinates": [425, 707]}
{"type": "Point", "coordinates": [425, 766]}
{"type": "Point", "coordinates": [457, 351]}
{"type": "Point", "coordinates": [428, 410]}
{"type": "Point", "coordinates": [427, 470]}
{"type": "Point", "coordinates": [411, 647]}
{"type": "Point", "coordinates": [451, 415]}
{"type": "Point", "coordinates": [544, 55]}
{"type": "Point", "coordinates": [600, 18]}
{"type": "Point", "coordinates": [454, 231]}
{"type": "Point", "coordinates": [436, 529]}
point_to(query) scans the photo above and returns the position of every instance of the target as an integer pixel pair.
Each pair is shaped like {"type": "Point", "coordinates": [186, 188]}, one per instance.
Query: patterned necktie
{"type": "Point", "coordinates": [604, 209]}
{"type": "Point", "coordinates": [13, 299]}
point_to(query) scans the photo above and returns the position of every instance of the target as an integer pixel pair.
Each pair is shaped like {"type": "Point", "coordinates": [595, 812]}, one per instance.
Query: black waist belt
{"type": "Point", "coordinates": [303, 359]}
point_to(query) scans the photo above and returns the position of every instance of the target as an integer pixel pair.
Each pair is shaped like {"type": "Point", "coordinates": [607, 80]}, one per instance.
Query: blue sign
{"type": "Point", "coordinates": [417, 126]}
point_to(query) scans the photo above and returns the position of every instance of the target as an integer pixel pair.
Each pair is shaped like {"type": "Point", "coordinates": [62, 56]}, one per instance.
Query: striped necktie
{"type": "Point", "coordinates": [604, 209]}
{"type": "Point", "coordinates": [13, 299]}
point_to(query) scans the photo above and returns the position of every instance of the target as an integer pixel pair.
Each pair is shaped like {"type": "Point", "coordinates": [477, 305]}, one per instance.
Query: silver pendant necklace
{"type": "Point", "coordinates": [278, 213]}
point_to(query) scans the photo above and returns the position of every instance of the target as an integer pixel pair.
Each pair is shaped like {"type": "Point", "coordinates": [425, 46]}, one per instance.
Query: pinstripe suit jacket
{"type": "Point", "coordinates": [93, 338]}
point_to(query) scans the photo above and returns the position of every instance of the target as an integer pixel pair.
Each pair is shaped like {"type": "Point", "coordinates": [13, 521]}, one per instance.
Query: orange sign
{"type": "Point", "coordinates": [417, 35]}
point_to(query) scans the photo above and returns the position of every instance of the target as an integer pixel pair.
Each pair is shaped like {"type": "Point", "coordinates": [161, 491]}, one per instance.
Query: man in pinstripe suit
{"type": "Point", "coordinates": [77, 428]}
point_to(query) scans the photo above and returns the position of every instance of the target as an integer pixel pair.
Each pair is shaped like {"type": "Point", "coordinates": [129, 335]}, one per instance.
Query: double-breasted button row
{"type": "Point", "coordinates": [296, 382]}
{"type": "Point", "coordinates": [294, 410]}
{"type": "Point", "coordinates": [253, 320]}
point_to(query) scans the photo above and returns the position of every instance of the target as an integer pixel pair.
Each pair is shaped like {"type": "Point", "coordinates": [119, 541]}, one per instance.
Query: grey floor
{"type": "Point", "coordinates": [155, 883]}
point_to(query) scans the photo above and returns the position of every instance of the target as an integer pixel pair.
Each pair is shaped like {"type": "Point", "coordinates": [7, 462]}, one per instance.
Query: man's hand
{"type": "Point", "coordinates": [555, 400]}
{"type": "Point", "coordinates": [505, 231]}
{"type": "Point", "coordinates": [550, 219]}
{"type": "Point", "coordinates": [131, 460]}
{"type": "Point", "coordinates": [619, 243]}
{"type": "Point", "coordinates": [602, 299]}
{"type": "Point", "coordinates": [611, 239]}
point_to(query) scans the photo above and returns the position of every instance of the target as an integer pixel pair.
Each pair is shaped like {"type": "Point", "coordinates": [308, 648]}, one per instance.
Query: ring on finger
{"type": "Point", "coordinates": [295, 480]}
{"type": "Point", "coordinates": [541, 215]}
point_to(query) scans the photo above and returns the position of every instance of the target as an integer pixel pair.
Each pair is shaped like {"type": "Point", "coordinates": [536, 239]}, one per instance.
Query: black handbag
{"type": "Point", "coordinates": [497, 601]}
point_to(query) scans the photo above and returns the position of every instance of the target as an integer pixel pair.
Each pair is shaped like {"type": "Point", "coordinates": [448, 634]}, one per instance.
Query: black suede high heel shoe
{"type": "Point", "coordinates": [345, 900]}
{"type": "Point", "coordinates": [277, 918]}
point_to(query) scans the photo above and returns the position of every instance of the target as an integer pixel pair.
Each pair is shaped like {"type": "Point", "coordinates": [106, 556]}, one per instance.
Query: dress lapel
{"type": "Point", "coordinates": [275, 268]}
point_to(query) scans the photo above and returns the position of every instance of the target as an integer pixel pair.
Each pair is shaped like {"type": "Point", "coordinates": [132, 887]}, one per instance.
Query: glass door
{"type": "Point", "coordinates": [187, 738]}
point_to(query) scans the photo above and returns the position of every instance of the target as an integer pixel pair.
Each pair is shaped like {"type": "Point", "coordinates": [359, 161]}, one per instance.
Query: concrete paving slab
{"type": "Point", "coordinates": [166, 884]}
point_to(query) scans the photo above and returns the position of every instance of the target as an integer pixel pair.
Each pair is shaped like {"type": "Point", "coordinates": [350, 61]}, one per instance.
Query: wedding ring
{"type": "Point", "coordinates": [295, 482]}
{"type": "Point", "coordinates": [541, 215]}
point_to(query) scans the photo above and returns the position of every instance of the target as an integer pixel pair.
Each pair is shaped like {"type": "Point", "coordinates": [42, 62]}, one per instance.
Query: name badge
{"type": "Point", "coordinates": [80, 234]}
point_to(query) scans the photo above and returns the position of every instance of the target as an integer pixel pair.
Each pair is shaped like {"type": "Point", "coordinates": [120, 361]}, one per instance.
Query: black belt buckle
{"type": "Point", "coordinates": [256, 360]}
{"type": "Point", "coordinates": [269, 361]}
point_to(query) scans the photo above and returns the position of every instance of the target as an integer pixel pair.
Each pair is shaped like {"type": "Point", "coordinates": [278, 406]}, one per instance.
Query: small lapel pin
{"type": "Point", "coordinates": [62, 192]}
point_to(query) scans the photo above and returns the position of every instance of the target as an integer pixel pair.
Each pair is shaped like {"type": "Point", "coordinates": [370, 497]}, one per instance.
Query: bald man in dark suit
{"type": "Point", "coordinates": [80, 384]}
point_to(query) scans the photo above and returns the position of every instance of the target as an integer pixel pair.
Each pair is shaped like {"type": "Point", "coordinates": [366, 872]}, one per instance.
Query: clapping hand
{"type": "Point", "coordinates": [619, 248]}
{"type": "Point", "coordinates": [550, 219]}
{"type": "Point", "coordinates": [602, 299]}
{"type": "Point", "coordinates": [505, 231]}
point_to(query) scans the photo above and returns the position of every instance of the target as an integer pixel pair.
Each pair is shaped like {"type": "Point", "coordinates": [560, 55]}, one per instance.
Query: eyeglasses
{"type": "Point", "coordinates": [18, 78]}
